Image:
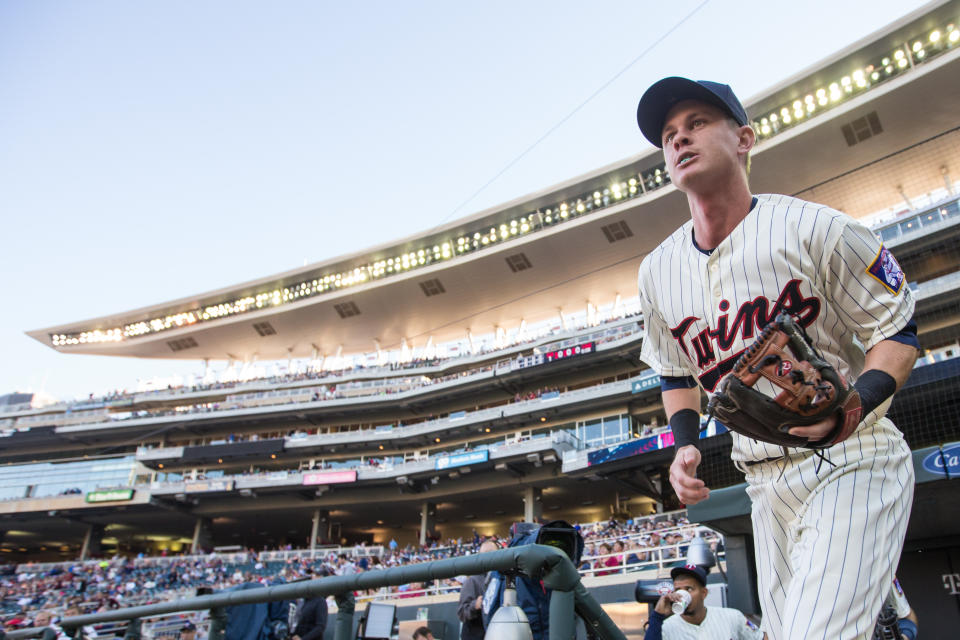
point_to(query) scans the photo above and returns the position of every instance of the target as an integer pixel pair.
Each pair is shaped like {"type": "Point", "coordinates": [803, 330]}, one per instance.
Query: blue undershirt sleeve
{"type": "Point", "coordinates": [655, 627]}
{"type": "Point", "coordinates": [907, 335]}
{"type": "Point", "coordinates": [668, 383]}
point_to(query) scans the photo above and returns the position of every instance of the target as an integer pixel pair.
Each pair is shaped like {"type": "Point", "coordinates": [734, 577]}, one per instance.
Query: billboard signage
{"type": "Point", "coordinates": [944, 461]}
{"type": "Point", "coordinates": [647, 444]}
{"type": "Point", "coordinates": [647, 382]}
{"type": "Point", "coordinates": [527, 361]}
{"type": "Point", "coordinates": [206, 486]}
{"type": "Point", "coordinates": [329, 477]}
{"type": "Point", "coordinates": [113, 495]}
{"type": "Point", "coordinates": [624, 450]}
{"type": "Point", "coordinates": [461, 459]}
{"type": "Point", "coordinates": [569, 352]}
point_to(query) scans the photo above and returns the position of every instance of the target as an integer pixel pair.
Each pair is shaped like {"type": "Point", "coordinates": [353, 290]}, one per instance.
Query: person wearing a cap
{"type": "Point", "coordinates": [698, 621]}
{"type": "Point", "coordinates": [423, 633]}
{"type": "Point", "coordinates": [312, 616]}
{"type": "Point", "coordinates": [188, 631]}
{"type": "Point", "coordinates": [706, 292]}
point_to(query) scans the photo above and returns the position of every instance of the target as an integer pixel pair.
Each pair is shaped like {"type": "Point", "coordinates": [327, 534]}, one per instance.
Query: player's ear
{"type": "Point", "coordinates": [746, 139]}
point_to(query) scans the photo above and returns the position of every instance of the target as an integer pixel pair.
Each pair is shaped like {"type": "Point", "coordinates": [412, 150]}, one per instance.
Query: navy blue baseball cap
{"type": "Point", "coordinates": [662, 95]}
{"type": "Point", "coordinates": [694, 570]}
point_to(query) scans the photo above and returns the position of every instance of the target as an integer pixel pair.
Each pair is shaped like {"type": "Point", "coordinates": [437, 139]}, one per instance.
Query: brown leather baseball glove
{"type": "Point", "coordinates": [811, 390]}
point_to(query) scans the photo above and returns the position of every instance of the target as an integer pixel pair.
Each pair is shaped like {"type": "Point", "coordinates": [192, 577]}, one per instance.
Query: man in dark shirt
{"type": "Point", "coordinates": [313, 620]}
{"type": "Point", "coordinates": [470, 609]}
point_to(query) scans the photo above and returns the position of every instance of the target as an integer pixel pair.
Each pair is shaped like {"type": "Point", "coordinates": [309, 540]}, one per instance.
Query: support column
{"type": "Point", "coordinates": [428, 512]}
{"type": "Point", "coordinates": [321, 518]}
{"type": "Point", "coordinates": [658, 483]}
{"type": "Point", "coordinates": [202, 537]}
{"type": "Point", "coordinates": [740, 561]}
{"type": "Point", "coordinates": [532, 505]}
{"type": "Point", "coordinates": [91, 542]}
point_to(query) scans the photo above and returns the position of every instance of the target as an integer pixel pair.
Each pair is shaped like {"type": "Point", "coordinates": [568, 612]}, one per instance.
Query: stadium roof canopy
{"type": "Point", "coordinates": [580, 242]}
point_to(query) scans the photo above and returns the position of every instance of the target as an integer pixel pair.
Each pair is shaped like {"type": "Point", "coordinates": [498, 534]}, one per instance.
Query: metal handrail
{"type": "Point", "coordinates": [548, 564]}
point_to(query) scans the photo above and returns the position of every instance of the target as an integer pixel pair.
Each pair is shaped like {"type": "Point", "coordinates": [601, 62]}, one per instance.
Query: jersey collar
{"type": "Point", "coordinates": [707, 252]}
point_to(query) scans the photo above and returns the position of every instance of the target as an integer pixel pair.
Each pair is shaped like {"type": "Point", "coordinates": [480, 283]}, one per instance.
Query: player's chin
{"type": "Point", "coordinates": [685, 179]}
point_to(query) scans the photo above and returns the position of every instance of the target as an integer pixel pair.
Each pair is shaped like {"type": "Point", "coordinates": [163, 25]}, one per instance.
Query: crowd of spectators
{"type": "Point", "coordinates": [88, 587]}
{"type": "Point", "coordinates": [635, 545]}
{"type": "Point", "coordinates": [535, 393]}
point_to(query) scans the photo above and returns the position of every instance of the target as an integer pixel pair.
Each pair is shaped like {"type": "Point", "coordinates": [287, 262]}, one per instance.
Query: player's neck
{"type": "Point", "coordinates": [695, 618]}
{"type": "Point", "coordinates": [716, 214]}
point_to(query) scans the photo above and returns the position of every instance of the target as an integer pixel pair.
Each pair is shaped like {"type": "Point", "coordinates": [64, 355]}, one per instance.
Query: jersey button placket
{"type": "Point", "coordinates": [714, 277]}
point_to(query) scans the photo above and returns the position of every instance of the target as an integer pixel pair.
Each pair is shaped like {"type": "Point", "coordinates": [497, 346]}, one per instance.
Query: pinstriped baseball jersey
{"type": "Point", "coordinates": [720, 623]}
{"type": "Point", "coordinates": [701, 311]}
{"type": "Point", "coordinates": [829, 536]}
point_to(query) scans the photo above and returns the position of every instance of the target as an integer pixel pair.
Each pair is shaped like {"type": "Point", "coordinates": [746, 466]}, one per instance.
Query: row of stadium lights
{"type": "Point", "coordinates": [860, 80]}
{"type": "Point", "coordinates": [630, 188]}
{"type": "Point", "coordinates": [767, 126]}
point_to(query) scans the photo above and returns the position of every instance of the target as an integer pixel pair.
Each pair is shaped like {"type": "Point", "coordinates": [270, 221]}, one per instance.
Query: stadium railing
{"type": "Point", "coordinates": [597, 332]}
{"type": "Point", "coordinates": [335, 393]}
{"type": "Point", "coordinates": [569, 596]}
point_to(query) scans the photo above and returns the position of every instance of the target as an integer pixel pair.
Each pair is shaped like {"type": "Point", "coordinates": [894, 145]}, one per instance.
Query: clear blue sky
{"type": "Point", "coordinates": [152, 150]}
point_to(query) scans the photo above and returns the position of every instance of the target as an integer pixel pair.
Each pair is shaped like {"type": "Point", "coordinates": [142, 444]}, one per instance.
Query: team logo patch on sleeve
{"type": "Point", "coordinates": [886, 270]}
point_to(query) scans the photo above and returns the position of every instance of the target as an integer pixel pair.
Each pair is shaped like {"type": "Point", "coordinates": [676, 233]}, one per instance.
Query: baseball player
{"type": "Point", "coordinates": [828, 534]}
{"type": "Point", "coordinates": [697, 622]}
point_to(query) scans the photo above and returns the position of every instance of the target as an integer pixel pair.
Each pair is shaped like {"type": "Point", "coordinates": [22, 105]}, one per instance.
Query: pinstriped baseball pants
{"type": "Point", "coordinates": [828, 543]}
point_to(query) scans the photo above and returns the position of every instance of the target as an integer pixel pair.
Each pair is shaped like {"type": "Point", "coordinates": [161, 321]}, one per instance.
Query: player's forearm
{"type": "Point", "coordinates": [888, 365]}
{"type": "Point", "coordinates": [683, 414]}
{"type": "Point", "coordinates": [677, 399]}
{"type": "Point", "coordinates": [893, 358]}
{"type": "Point", "coordinates": [655, 626]}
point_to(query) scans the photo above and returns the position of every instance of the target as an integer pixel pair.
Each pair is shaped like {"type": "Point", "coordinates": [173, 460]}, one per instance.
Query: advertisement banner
{"type": "Point", "coordinates": [114, 495]}
{"type": "Point", "coordinates": [461, 459]}
{"type": "Point", "coordinates": [625, 450]}
{"type": "Point", "coordinates": [647, 382]}
{"type": "Point", "coordinates": [569, 352]}
{"type": "Point", "coordinates": [329, 477]}
{"type": "Point", "coordinates": [942, 462]}
{"type": "Point", "coordinates": [206, 486]}
{"type": "Point", "coordinates": [646, 445]}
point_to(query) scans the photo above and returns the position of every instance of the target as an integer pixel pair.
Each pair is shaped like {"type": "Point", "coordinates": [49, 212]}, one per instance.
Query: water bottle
{"type": "Point", "coordinates": [679, 606]}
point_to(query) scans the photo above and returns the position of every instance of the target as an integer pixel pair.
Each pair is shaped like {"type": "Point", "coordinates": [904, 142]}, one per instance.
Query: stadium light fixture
{"type": "Point", "coordinates": [772, 123]}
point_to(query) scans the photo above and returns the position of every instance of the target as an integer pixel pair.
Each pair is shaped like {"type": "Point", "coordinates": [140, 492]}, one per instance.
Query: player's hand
{"type": "Point", "coordinates": [683, 476]}
{"type": "Point", "coordinates": [478, 603]}
{"type": "Point", "coordinates": [817, 431]}
{"type": "Point", "coordinates": [665, 603]}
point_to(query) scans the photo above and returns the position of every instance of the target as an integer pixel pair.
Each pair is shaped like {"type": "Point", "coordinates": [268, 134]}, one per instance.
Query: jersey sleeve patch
{"type": "Point", "coordinates": [886, 270]}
